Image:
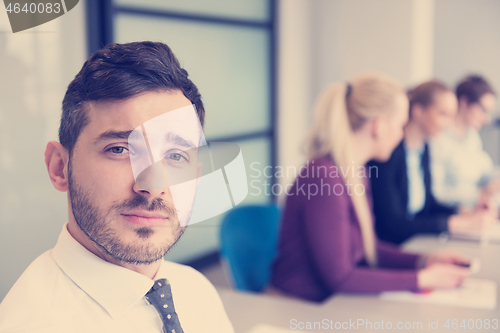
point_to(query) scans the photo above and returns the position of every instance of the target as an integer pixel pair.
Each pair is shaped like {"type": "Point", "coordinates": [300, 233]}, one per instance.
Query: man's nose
{"type": "Point", "coordinates": [152, 180]}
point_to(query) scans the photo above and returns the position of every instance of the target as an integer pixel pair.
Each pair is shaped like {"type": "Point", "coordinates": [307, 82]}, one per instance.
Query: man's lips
{"type": "Point", "coordinates": [145, 218]}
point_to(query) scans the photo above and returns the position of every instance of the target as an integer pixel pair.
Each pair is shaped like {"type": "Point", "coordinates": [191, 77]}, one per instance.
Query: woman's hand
{"type": "Point", "coordinates": [441, 276]}
{"type": "Point", "coordinates": [446, 257]}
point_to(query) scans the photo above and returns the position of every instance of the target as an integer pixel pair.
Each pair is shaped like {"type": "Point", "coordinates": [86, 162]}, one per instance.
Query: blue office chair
{"type": "Point", "coordinates": [248, 244]}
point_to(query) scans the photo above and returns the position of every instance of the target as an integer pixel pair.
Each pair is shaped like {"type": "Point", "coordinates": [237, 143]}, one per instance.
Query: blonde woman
{"type": "Point", "coordinates": [327, 241]}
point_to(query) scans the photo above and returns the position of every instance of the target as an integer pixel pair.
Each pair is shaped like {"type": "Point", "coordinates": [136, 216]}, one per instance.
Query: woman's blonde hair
{"type": "Point", "coordinates": [340, 110]}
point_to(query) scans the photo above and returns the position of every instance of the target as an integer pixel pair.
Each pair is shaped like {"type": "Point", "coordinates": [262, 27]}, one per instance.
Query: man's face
{"type": "Point", "coordinates": [479, 114]}
{"type": "Point", "coordinates": [440, 114]}
{"type": "Point", "coordinates": [131, 223]}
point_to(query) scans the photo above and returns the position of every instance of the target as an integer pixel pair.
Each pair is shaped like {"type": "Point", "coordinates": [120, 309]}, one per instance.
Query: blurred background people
{"type": "Point", "coordinates": [403, 201]}
{"type": "Point", "coordinates": [461, 170]}
{"type": "Point", "coordinates": [327, 241]}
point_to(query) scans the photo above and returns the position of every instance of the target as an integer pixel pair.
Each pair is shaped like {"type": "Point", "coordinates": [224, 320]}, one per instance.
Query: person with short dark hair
{"type": "Point", "coordinates": [403, 201]}
{"type": "Point", "coordinates": [463, 173]}
{"type": "Point", "coordinates": [106, 273]}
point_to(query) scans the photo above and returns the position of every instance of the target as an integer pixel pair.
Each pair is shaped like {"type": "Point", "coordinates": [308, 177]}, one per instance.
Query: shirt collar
{"type": "Point", "coordinates": [115, 288]}
{"type": "Point", "coordinates": [418, 151]}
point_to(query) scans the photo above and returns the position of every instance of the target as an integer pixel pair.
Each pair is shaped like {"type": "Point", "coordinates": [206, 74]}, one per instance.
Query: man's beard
{"type": "Point", "coordinates": [97, 226]}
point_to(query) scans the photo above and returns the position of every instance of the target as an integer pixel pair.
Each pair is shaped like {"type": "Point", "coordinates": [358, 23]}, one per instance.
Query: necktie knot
{"type": "Point", "coordinates": [160, 296]}
{"type": "Point", "coordinates": [161, 283]}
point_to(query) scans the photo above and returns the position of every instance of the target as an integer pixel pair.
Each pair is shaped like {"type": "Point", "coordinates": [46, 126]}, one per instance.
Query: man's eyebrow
{"type": "Point", "coordinates": [110, 135]}
{"type": "Point", "coordinates": [179, 140]}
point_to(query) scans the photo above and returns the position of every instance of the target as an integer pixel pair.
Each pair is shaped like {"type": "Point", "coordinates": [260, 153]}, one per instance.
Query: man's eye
{"type": "Point", "coordinates": [176, 157]}
{"type": "Point", "coordinates": [118, 150]}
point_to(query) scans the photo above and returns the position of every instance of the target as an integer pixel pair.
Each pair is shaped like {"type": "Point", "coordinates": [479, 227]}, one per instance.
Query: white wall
{"type": "Point", "coordinates": [36, 66]}
{"type": "Point", "coordinates": [295, 82]}
{"type": "Point", "coordinates": [358, 35]}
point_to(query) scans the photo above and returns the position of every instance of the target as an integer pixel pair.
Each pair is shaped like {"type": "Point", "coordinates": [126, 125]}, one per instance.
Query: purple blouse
{"type": "Point", "coordinates": [321, 250]}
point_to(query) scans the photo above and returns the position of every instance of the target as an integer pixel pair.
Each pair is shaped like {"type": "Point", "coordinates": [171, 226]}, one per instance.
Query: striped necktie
{"type": "Point", "coordinates": [160, 296]}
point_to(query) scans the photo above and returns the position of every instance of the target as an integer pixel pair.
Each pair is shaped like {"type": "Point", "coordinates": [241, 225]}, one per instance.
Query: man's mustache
{"type": "Point", "coordinates": [140, 202]}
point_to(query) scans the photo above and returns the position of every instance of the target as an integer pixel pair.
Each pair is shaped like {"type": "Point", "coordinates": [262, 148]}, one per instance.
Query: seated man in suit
{"type": "Point", "coordinates": [403, 202]}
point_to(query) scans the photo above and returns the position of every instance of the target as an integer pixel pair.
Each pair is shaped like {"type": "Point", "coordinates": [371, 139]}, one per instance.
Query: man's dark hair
{"type": "Point", "coordinates": [472, 88]}
{"type": "Point", "coordinates": [120, 71]}
{"type": "Point", "coordinates": [424, 93]}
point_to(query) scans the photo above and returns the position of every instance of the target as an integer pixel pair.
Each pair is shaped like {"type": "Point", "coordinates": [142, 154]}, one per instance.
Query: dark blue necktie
{"type": "Point", "coordinates": [160, 296]}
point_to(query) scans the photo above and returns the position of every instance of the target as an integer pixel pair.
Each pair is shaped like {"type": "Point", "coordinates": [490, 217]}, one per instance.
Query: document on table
{"type": "Point", "coordinates": [474, 293]}
{"type": "Point", "coordinates": [265, 328]}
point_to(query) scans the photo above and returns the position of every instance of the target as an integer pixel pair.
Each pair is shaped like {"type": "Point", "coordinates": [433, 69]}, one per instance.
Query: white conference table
{"type": "Point", "coordinates": [247, 310]}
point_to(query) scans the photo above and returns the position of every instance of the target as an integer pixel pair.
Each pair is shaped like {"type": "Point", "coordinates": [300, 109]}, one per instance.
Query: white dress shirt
{"type": "Point", "coordinates": [458, 166]}
{"type": "Point", "coordinates": [416, 185]}
{"type": "Point", "coordinates": [69, 289]}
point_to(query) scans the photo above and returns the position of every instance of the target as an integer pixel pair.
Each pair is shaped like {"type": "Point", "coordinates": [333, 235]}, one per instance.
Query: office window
{"type": "Point", "coordinates": [257, 10]}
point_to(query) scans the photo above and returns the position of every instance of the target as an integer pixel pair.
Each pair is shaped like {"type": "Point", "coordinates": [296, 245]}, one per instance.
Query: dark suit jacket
{"type": "Point", "coordinates": [390, 200]}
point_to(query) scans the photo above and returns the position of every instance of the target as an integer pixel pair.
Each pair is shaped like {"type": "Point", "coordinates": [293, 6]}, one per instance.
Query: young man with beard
{"type": "Point", "coordinates": [106, 272]}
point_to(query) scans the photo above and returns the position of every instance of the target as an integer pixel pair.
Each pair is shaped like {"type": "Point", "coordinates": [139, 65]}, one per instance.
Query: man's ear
{"type": "Point", "coordinates": [417, 111]}
{"type": "Point", "coordinates": [56, 159]}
